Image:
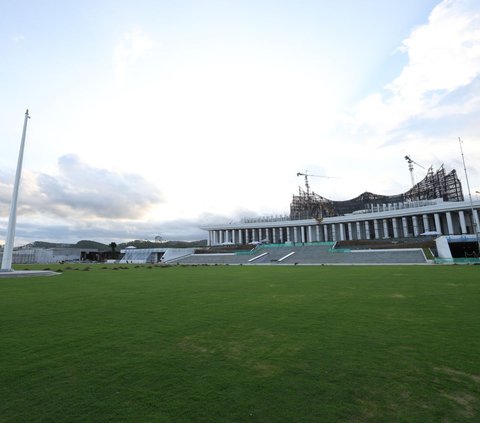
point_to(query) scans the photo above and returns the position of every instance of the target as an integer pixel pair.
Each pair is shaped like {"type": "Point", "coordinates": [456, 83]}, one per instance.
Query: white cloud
{"type": "Point", "coordinates": [19, 38]}
{"type": "Point", "coordinates": [80, 191]}
{"type": "Point", "coordinates": [131, 48]}
{"type": "Point", "coordinates": [443, 56]}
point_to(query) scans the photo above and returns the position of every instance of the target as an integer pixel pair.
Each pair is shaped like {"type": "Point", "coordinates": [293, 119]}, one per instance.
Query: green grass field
{"type": "Point", "coordinates": [242, 344]}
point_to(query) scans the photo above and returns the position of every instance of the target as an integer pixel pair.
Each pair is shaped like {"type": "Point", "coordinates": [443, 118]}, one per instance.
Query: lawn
{"type": "Point", "coordinates": [242, 344]}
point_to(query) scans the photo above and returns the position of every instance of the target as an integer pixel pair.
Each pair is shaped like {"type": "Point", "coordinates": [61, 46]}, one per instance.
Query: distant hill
{"type": "Point", "coordinates": [91, 245]}
{"type": "Point", "coordinates": [44, 244]}
{"type": "Point", "coordinates": [167, 244]}
{"type": "Point", "coordinates": [94, 245]}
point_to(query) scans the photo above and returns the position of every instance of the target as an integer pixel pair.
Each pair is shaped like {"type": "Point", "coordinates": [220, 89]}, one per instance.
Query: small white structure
{"type": "Point", "coordinates": [153, 255]}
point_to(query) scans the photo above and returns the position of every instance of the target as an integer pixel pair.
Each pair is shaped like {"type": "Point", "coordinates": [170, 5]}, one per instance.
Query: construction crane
{"type": "Point", "coordinates": [306, 175]}
{"type": "Point", "coordinates": [410, 168]}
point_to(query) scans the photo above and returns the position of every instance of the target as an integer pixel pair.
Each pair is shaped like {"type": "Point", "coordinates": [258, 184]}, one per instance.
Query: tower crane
{"type": "Point", "coordinates": [410, 168]}
{"type": "Point", "coordinates": [306, 175]}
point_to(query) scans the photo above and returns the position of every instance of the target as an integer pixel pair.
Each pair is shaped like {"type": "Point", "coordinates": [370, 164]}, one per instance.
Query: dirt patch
{"type": "Point", "coordinates": [464, 401]}
{"type": "Point", "coordinates": [453, 372]}
{"type": "Point", "coordinates": [189, 344]}
{"type": "Point", "coordinates": [265, 369]}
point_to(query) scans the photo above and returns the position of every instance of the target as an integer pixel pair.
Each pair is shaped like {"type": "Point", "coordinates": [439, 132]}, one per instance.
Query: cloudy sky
{"type": "Point", "coordinates": [154, 117]}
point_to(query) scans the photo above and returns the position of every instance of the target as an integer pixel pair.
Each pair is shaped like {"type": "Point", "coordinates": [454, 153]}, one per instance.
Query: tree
{"type": "Point", "coordinates": [113, 246]}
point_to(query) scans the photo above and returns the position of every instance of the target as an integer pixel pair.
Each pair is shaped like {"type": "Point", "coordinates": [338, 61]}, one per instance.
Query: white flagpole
{"type": "Point", "coordinates": [12, 219]}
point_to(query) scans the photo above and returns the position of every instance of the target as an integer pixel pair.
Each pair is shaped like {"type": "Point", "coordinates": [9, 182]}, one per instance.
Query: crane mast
{"type": "Point", "coordinates": [410, 168]}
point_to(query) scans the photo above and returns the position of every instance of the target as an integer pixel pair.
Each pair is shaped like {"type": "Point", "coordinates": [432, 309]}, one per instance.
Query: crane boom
{"type": "Point", "coordinates": [306, 175]}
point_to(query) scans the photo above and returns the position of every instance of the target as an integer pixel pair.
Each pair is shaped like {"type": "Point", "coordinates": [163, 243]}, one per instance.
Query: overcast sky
{"type": "Point", "coordinates": [153, 117]}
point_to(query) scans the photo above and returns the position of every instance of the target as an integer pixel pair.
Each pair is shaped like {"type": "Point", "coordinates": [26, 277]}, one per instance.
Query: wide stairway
{"type": "Point", "coordinates": [309, 254]}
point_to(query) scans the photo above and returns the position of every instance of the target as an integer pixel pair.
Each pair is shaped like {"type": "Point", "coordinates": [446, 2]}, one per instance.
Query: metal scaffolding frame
{"type": "Point", "coordinates": [437, 185]}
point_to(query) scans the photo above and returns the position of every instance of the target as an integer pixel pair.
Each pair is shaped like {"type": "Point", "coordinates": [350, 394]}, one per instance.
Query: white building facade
{"type": "Point", "coordinates": [386, 221]}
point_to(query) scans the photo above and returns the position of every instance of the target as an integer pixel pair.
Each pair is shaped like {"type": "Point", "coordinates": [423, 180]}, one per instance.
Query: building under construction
{"type": "Point", "coordinates": [436, 185]}
{"type": "Point", "coordinates": [432, 207]}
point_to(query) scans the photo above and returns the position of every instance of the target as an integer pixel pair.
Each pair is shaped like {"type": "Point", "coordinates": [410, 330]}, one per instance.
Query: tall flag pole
{"type": "Point", "coordinates": [12, 219]}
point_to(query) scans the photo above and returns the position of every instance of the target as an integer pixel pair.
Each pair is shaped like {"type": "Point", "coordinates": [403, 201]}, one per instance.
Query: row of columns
{"type": "Point", "coordinates": [448, 223]}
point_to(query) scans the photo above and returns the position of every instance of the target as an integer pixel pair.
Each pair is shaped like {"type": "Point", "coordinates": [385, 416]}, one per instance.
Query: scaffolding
{"type": "Point", "coordinates": [437, 185]}
{"type": "Point", "coordinates": [440, 184]}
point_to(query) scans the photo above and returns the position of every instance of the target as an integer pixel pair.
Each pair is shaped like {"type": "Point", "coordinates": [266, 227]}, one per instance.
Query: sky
{"type": "Point", "coordinates": [153, 117]}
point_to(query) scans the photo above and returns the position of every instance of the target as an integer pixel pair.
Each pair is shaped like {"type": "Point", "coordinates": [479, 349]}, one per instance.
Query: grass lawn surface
{"type": "Point", "coordinates": [241, 344]}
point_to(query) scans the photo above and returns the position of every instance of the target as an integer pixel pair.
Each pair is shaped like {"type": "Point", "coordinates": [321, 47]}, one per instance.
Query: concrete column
{"type": "Point", "coordinates": [334, 232]}
{"type": "Point", "coordinates": [317, 231]}
{"type": "Point", "coordinates": [274, 235]}
{"type": "Point", "coordinates": [463, 224]}
{"type": "Point", "coordinates": [405, 226]}
{"type": "Point", "coordinates": [359, 230]}
{"type": "Point", "coordinates": [416, 232]}
{"type": "Point", "coordinates": [234, 237]}
{"type": "Point", "coordinates": [240, 239]}
{"type": "Point", "coordinates": [375, 227]}
{"type": "Point", "coordinates": [309, 233]}
{"type": "Point", "coordinates": [288, 233]}
{"type": "Point", "coordinates": [367, 230]}
{"type": "Point", "coordinates": [281, 234]}
{"type": "Point", "coordinates": [475, 219]}
{"type": "Point", "coordinates": [350, 230]}
{"type": "Point", "coordinates": [325, 233]}
{"type": "Point", "coordinates": [438, 226]}
{"type": "Point", "coordinates": [302, 234]}
{"type": "Point", "coordinates": [385, 228]}
{"type": "Point", "coordinates": [425, 223]}
{"type": "Point", "coordinates": [295, 234]}
{"type": "Point", "coordinates": [342, 231]}
{"type": "Point", "coordinates": [449, 223]}
{"type": "Point", "coordinates": [395, 227]}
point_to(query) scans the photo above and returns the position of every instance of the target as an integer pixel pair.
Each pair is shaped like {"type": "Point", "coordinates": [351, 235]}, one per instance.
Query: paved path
{"type": "Point", "coordinates": [26, 273]}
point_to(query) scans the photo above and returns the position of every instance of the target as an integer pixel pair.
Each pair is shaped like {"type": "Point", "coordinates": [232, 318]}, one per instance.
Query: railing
{"type": "Point", "coordinates": [377, 208]}
{"type": "Point", "coordinates": [339, 250]}
{"type": "Point", "coordinates": [469, 260]}
{"type": "Point", "coordinates": [297, 244]}
{"type": "Point", "coordinates": [279, 218]}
